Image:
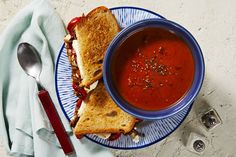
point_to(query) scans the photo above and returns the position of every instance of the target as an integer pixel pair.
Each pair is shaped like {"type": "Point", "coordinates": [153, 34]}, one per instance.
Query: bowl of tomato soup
{"type": "Point", "coordinates": [153, 69]}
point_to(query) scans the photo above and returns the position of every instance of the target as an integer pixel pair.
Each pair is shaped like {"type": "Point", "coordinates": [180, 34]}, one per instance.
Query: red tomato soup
{"type": "Point", "coordinates": [154, 69]}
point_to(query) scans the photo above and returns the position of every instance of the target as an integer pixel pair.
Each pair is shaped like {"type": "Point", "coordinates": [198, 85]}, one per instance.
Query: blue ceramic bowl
{"type": "Point", "coordinates": [186, 100]}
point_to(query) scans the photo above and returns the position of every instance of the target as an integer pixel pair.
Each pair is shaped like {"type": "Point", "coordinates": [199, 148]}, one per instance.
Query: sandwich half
{"type": "Point", "coordinates": [102, 115]}
{"type": "Point", "coordinates": [91, 36]}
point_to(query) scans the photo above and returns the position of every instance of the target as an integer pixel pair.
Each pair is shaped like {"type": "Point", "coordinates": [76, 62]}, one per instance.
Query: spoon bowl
{"type": "Point", "coordinates": [29, 60]}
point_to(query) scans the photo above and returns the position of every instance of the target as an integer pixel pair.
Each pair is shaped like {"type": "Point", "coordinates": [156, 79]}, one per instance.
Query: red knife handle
{"type": "Point", "coordinates": [55, 122]}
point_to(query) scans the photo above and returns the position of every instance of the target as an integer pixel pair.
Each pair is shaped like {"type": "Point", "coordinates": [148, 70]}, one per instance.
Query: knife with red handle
{"type": "Point", "coordinates": [55, 121]}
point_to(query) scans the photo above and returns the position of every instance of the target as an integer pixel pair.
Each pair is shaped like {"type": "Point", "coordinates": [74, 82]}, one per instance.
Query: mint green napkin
{"type": "Point", "coordinates": [24, 125]}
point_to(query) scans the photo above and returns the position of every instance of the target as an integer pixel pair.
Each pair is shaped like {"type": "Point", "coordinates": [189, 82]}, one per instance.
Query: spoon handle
{"type": "Point", "coordinates": [55, 121]}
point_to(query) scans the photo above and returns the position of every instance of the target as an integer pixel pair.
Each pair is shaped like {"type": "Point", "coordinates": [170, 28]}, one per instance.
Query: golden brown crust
{"type": "Point", "coordinates": [102, 115]}
{"type": "Point", "coordinates": [95, 10]}
{"type": "Point", "coordinates": [94, 33]}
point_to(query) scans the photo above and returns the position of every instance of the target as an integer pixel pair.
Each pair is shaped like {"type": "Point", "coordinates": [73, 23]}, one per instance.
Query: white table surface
{"type": "Point", "coordinates": [213, 24]}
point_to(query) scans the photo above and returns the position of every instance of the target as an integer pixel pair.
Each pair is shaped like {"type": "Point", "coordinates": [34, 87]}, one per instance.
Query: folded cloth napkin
{"type": "Point", "coordinates": [24, 125]}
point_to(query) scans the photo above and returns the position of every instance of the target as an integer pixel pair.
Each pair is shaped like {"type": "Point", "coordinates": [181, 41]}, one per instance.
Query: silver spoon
{"type": "Point", "coordinates": [30, 61]}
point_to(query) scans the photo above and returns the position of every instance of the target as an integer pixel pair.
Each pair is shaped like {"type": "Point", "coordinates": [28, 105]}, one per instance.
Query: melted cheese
{"type": "Point", "coordinates": [81, 109]}
{"type": "Point", "coordinates": [136, 139]}
{"type": "Point", "coordinates": [104, 135]}
{"type": "Point", "coordinates": [76, 47]}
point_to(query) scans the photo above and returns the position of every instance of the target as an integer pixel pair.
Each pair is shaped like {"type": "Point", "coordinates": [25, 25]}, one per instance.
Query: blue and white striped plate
{"type": "Point", "coordinates": [154, 131]}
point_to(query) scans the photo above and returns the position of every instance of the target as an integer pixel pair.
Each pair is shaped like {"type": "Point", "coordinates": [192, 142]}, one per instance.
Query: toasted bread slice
{"type": "Point", "coordinates": [94, 33]}
{"type": "Point", "coordinates": [102, 115]}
